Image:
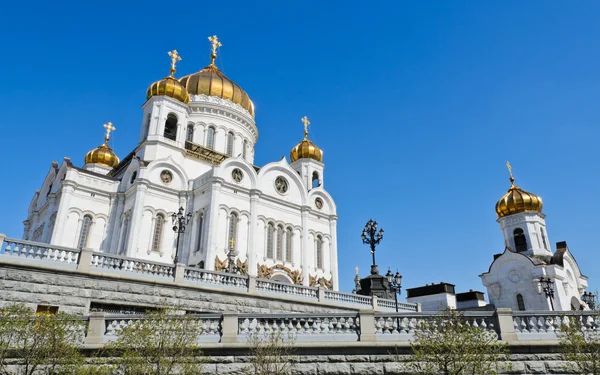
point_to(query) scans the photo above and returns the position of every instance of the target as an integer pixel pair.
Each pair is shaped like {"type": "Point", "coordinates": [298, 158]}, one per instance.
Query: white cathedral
{"type": "Point", "coordinates": [196, 152]}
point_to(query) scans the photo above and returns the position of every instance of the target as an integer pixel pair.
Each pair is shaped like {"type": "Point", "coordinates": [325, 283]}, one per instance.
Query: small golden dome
{"type": "Point", "coordinates": [211, 82]}
{"type": "Point", "coordinates": [306, 149]}
{"type": "Point", "coordinates": [171, 87]}
{"type": "Point", "coordinates": [102, 155]}
{"type": "Point", "coordinates": [517, 200]}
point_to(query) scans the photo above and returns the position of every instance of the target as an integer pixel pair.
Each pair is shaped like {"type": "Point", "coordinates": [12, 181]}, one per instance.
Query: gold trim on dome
{"type": "Point", "coordinates": [103, 154]}
{"type": "Point", "coordinates": [306, 149]}
{"type": "Point", "coordinates": [169, 86]}
{"type": "Point", "coordinates": [517, 200]}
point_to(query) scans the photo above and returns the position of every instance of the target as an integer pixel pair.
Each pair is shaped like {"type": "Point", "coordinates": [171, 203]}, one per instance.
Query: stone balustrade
{"type": "Point", "coordinates": [122, 264]}
{"type": "Point", "coordinates": [344, 327]}
{"type": "Point", "coordinates": [37, 252]}
{"type": "Point", "coordinates": [353, 299]}
{"type": "Point", "coordinates": [213, 278]}
{"type": "Point", "coordinates": [269, 286]}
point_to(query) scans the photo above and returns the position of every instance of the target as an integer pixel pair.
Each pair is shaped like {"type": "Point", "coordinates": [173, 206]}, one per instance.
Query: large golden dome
{"type": "Point", "coordinates": [211, 82]}
{"type": "Point", "coordinates": [517, 200]}
{"type": "Point", "coordinates": [103, 154]}
{"type": "Point", "coordinates": [169, 86]}
{"type": "Point", "coordinates": [306, 149]}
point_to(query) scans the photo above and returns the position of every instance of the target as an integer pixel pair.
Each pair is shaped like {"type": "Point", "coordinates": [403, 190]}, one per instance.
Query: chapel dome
{"type": "Point", "coordinates": [102, 155]}
{"type": "Point", "coordinates": [171, 87]}
{"type": "Point", "coordinates": [306, 149]}
{"type": "Point", "coordinates": [517, 200]}
{"type": "Point", "coordinates": [210, 81]}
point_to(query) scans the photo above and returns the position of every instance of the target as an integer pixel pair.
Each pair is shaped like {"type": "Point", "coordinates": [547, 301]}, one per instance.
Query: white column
{"type": "Point", "coordinates": [213, 232]}
{"type": "Point", "coordinates": [135, 220]}
{"type": "Point", "coordinates": [63, 210]}
{"type": "Point", "coordinates": [116, 225]}
{"type": "Point", "coordinates": [253, 226]}
{"type": "Point", "coordinates": [333, 252]}
{"type": "Point", "coordinates": [305, 275]}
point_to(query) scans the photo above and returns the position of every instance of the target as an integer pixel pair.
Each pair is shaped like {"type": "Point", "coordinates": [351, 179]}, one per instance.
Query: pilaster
{"type": "Point", "coordinates": [333, 252]}
{"type": "Point", "coordinates": [135, 220]}
{"type": "Point", "coordinates": [116, 224]}
{"type": "Point", "coordinates": [304, 210]}
{"type": "Point", "coordinates": [213, 225]}
{"type": "Point", "coordinates": [63, 210]}
{"type": "Point", "coordinates": [252, 248]}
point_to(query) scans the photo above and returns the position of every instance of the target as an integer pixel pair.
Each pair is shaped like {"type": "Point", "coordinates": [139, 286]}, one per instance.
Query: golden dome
{"type": "Point", "coordinates": [169, 86]}
{"type": "Point", "coordinates": [517, 200]}
{"type": "Point", "coordinates": [306, 149]}
{"type": "Point", "coordinates": [103, 154]}
{"type": "Point", "coordinates": [211, 82]}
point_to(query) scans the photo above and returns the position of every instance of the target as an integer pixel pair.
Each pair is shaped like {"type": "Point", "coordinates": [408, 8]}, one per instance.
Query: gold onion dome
{"type": "Point", "coordinates": [210, 81]}
{"type": "Point", "coordinates": [306, 149]}
{"type": "Point", "coordinates": [517, 200]}
{"type": "Point", "coordinates": [169, 86]}
{"type": "Point", "coordinates": [103, 154]}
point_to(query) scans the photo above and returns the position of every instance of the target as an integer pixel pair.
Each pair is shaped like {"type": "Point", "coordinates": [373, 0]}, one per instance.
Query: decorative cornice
{"type": "Point", "coordinates": [213, 105]}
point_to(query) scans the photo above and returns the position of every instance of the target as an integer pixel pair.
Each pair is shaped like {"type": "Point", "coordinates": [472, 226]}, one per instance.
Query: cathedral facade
{"type": "Point", "coordinates": [195, 156]}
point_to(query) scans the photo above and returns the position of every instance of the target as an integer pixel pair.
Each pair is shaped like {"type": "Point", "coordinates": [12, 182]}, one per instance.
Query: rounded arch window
{"type": "Point", "coordinates": [229, 149]}
{"type": "Point", "coordinates": [210, 137]}
{"type": "Point", "coordinates": [171, 127]}
{"type": "Point", "coordinates": [245, 149]}
{"type": "Point", "coordinates": [133, 177]}
{"type": "Point", "coordinates": [158, 231]}
{"type": "Point", "coordinates": [319, 246]}
{"type": "Point", "coordinates": [315, 179]}
{"type": "Point", "coordinates": [520, 302]}
{"type": "Point", "coordinates": [189, 135]}
{"type": "Point", "coordinates": [84, 232]}
{"type": "Point", "coordinates": [520, 240]}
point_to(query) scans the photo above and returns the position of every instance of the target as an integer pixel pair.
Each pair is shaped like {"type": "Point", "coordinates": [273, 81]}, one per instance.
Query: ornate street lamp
{"type": "Point", "coordinates": [371, 237]}
{"type": "Point", "coordinates": [590, 299]}
{"type": "Point", "coordinates": [395, 282]}
{"type": "Point", "coordinates": [179, 222]}
{"type": "Point", "coordinates": [548, 288]}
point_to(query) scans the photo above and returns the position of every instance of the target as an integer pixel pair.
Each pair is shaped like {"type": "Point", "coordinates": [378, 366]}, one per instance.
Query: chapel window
{"type": "Point", "coordinates": [171, 127]}
{"type": "Point", "coordinates": [245, 149]}
{"type": "Point", "coordinates": [520, 240]}
{"type": "Point", "coordinates": [232, 236]}
{"type": "Point", "coordinates": [84, 232]}
{"type": "Point", "coordinates": [280, 243]}
{"type": "Point", "coordinates": [288, 245]}
{"type": "Point", "coordinates": [520, 302]}
{"type": "Point", "coordinates": [270, 233]}
{"type": "Point", "coordinates": [200, 225]}
{"type": "Point", "coordinates": [544, 241]}
{"type": "Point", "coordinates": [315, 179]}
{"type": "Point", "coordinates": [158, 231]}
{"type": "Point", "coordinates": [319, 252]}
{"type": "Point", "coordinates": [229, 143]}
{"type": "Point", "coordinates": [210, 138]}
{"type": "Point", "coordinates": [189, 136]}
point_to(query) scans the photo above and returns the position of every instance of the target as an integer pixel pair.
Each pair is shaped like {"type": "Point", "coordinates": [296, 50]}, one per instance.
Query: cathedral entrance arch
{"type": "Point", "coordinates": [282, 278]}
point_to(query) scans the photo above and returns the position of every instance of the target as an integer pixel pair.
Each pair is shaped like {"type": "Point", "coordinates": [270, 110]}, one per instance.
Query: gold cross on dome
{"type": "Point", "coordinates": [214, 40]}
{"type": "Point", "coordinates": [510, 171]}
{"type": "Point", "coordinates": [174, 59]}
{"type": "Point", "coordinates": [356, 269]}
{"type": "Point", "coordinates": [109, 128]}
{"type": "Point", "coordinates": [232, 243]}
{"type": "Point", "coordinates": [306, 123]}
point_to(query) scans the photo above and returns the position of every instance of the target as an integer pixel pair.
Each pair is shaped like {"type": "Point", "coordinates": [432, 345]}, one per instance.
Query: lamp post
{"type": "Point", "coordinates": [395, 282]}
{"type": "Point", "coordinates": [590, 299]}
{"type": "Point", "coordinates": [547, 286]}
{"type": "Point", "coordinates": [371, 237]}
{"type": "Point", "coordinates": [179, 222]}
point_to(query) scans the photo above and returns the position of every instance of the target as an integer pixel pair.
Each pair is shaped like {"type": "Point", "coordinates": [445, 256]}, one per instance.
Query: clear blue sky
{"type": "Point", "coordinates": [417, 106]}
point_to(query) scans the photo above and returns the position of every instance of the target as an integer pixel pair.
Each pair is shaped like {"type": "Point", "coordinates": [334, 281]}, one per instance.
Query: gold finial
{"type": "Point", "coordinates": [232, 243]}
{"type": "Point", "coordinates": [109, 128]}
{"type": "Point", "coordinates": [174, 58]}
{"type": "Point", "coordinates": [306, 123]}
{"type": "Point", "coordinates": [356, 269]}
{"type": "Point", "coordinates": [214, 40]}
{"type": "Point", "coordinates": [512, 179]}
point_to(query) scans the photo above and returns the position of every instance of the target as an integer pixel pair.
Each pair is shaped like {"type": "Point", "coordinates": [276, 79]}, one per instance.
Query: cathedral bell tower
{"type": "Point", "coordinates": [307, 160]}
{"type": "Point", "coordinates": [522, 222]}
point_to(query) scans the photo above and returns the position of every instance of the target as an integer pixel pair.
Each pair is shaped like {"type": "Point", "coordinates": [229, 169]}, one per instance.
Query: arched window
{"type": "Point", "coordinates": [210, 138]}
{"type": "Point", "coordinates": [146, 129]}
{"type": "Point", "coordinates": [49, 190]}
{"type": "Point", "coordinates": [85, 232]}
{"type": "Point", "coordinates": [544, 241]}
{"type": "Point", "coordinates": [279, 242]}
{"type": "Point", "coordinates": [229, 144]}
{"type": "Point", "coordinates": [520, 302]}
{"type": "Point", "coordinates": [158, 231]}
{"type": "Point", "coordinates": [245, 149]}
{"type": "Point", "coordinates": [315, 179]}
{"type": "Point", "coordinates": [51, 226]}
{"type": "Point", "coordinates": [288, 245]}
{"type": "Point", "coordinates": [232, 236]}
{"type": "Point", "coordinates": [189, 136]}
{"type": "Point", "coordinates": [270, 233]}
{"type": "Point", "coordinates": [125, 234]}
{"type": "Point", "coordinates": [319, 252]}
{"type": "Point", "coordinates": [520, 240]}
{"type": "Point", "coordinates": [171, 127]}
{"type": "Point", "coordinates": [200, 225]}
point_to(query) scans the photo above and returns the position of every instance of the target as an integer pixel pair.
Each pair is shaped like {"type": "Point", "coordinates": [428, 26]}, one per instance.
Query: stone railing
{"type": "Point", "coordinates": [364, 326]}
{"type": "Point", "coordinates": [120, 264]}
{"type": "Point", "coordinates": [292, 290]}
{"type": "Point", "coordinates": [404, 325]}
{"type": "Point", "coordinates": [546, 325]}
{"type": "Point", "coordinates": [39, 252]}
{"type": "Point", "coordinates": [109, 265]}
{"type": "Point", "coordinates": [213, 278]}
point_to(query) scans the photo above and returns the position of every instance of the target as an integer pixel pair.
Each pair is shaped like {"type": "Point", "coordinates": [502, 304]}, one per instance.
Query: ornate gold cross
{"type": "Point", "coordinates": [174, 59]}
{"type": "Point", "coordinates": [510, 171]}
{"type": "Point", "coordinates": [214, 40]}
{"type": "Point", "coordinates": [306, 123]}
{"type": "Point", "coordinates": [356, 269]}
{"type": "Point", "coordinates": [109, 128]}
{"type": "Point", "coordinates": [232, 243]}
